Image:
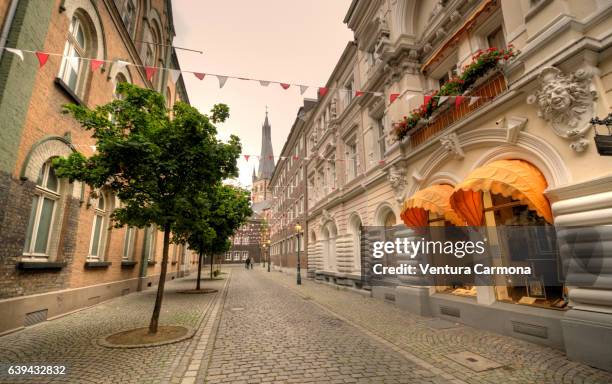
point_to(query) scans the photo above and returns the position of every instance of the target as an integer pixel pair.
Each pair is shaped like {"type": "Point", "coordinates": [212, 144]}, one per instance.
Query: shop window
{"type": "Point", "coordinates": [42, 214]}
{"type": "Point", "coordinates": [525, 240]}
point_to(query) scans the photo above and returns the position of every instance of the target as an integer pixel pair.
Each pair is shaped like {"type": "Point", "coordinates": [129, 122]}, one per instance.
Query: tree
{"type": "Point", "coordinates": [211, 219]}
{"type": "Point", "coordinates": [152, 163]}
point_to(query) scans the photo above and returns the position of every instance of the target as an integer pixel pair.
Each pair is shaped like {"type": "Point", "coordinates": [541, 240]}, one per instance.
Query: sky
{"type": "Point", "coordinates": [291, 41]}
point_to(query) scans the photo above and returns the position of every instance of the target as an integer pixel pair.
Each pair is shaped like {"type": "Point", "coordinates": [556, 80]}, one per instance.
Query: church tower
{"type": "Point", "coordinates": [266, 165]}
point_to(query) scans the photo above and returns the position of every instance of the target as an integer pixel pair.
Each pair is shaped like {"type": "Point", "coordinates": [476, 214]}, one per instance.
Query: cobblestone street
{"type": "Point", "coordinates": [261, 327]}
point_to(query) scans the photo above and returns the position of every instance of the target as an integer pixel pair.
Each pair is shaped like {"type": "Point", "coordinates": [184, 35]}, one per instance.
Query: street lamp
{"type": "Point", "coordinates": [268, 255]}
{"type": "Point", "coordinates": [298, 229]}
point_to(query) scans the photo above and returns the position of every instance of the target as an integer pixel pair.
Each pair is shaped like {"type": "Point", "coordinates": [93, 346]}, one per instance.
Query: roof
{"type": "Point", "coordinates": [266, 158]}
{"type": "Point", "coordinates": [260, 206]}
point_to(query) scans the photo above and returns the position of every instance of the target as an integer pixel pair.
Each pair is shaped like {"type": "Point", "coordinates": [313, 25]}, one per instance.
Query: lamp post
{"type": "Point", "coordinates": [268, 255]}
{"type": "Point", "coordinates": [298, 229]}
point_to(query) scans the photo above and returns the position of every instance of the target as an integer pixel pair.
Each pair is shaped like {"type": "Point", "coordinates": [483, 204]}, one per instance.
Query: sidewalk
{"type": "Point", "coordinates": [71, 340]}
{"type": "Point", "coordinates": [523, 362]}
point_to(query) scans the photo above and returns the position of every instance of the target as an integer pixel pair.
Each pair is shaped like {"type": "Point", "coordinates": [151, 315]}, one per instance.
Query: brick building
{"type": "Point", "coordinates": [55, 240]}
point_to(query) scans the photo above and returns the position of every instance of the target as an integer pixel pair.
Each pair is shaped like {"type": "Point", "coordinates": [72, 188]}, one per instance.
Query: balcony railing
{"type": "Point", "coordinates": [487, 91]}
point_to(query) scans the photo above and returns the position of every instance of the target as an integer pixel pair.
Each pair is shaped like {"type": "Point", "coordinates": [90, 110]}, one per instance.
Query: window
{"type": "Point", "coordinates": [44, 207]}
{"type": "Point", "coordinates": [149, 243]}
{"type": "Point", "coordinates": [349, 91]}
{"type": "Point", "coordinates": [129, 17]}
{"type": "Point", "coordinates": [351, 155]}
{"type": "Point", "coordinates": [96, 246]}
{"type": "Point", "coordinates": [72, 71]}
{"type": "Point", "coordinates": [128, 243]}
{"type": "Point", "coordinates": [448, 75]}
{"type": "Point", "coordinates": [496, 38]}
{"type": "Point", "coordinates": [228, 256]}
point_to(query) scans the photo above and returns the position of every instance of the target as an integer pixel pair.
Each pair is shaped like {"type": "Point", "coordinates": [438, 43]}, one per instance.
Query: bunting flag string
{"type": "Point", "coordinates": [150, 72]}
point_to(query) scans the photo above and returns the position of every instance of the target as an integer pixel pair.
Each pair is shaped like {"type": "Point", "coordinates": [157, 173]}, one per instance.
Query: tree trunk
{"type": "Point", "coordinates": [199, 271]}
{"type": "Point", "coordinates": [212, 257]}
{"type": "Point", "coordinates": [162, 281]}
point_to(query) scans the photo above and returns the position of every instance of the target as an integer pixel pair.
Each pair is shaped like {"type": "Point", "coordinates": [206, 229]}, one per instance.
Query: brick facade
{"type": "Point", "coordinates": [34, 130]}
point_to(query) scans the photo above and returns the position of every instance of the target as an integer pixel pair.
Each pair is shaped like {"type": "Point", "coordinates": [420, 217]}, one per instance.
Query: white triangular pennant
{"type": "Point", "coordinates": [222, 80]}
{"type": "Point", "coordinates": [264, 83]}
{"type": "Point", "coordinates": [174, 74]}
{"type": "Point", "coordinates": [409, 96]}
{"type": "Point", "coordinates": [378, 94]}
{"type": "Point", "coordinates": [303, 89]}
{"type": "Point", "coordinates": [121, 64]}
{"type": "Point", "coordinates": [17, 52]}
{"type": "Point", "coordinates": [442, 99]}
{"type": "Point", "coordinates": [473, 99]}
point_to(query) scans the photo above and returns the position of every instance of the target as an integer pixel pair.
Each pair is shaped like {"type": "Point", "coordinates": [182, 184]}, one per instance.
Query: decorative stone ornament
{"type": "Point", "coordinates": [451, 143]}
{"type": "Point", "coordinates": [398, 181]}
{"type": "Point", "coordinates": [567, 102]}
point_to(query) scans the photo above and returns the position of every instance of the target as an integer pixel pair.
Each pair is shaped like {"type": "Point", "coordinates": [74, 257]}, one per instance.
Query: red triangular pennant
{"type": "Point", "coordinates": [42, 58]}
{"type": "Point", "coordinates": [458, 100]}
{"type": "Point", "coordinates": [150, 71]}
{"type": "Point", "coordinates": [393, 97]}
{"type": "Point", "coordinates": [95, 64]}
{"type": "Point", "coordinates": [296, 157]}
{"type": "Point", "coordinates": [246, 157]}
{"type": "Point", "coordinates": [271, 157]}
{"type": "Point", "coordinates": [358, 93]}
{"type": "Point", "coordinates": [426, 99]}
{"type": "Point", "coordinates": [381, 162]}
{"type": "Point", "coordinates": [285, 86]}
{"type": "Point", "coordinates": [199, 75]}
{"type": "Point", "coordinates": [322, 91]}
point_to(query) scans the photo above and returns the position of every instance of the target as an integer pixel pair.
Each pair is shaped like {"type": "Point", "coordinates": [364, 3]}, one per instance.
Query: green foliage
{"type": "Point", "coordinates": [213, 218]}
{"type": "Point", "coordinates": [152, 163]}
{"type": "Point", "coordinates": [220, 113]}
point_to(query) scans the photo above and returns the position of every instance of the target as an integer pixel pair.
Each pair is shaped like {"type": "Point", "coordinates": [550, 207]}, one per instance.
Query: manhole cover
{"type": "Point", "coordinates": [332, 321]}
{"type": "Point", "coordinates": [237, 309]}
{"type": "Point", "coordinates": [473, 361]}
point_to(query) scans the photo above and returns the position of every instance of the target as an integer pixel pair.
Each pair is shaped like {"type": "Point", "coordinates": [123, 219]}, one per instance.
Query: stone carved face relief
{"type": "Point", "coordinates": [566, 101]}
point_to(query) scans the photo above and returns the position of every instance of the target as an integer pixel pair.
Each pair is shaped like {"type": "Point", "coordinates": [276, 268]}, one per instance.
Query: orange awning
{"type": "Point", "coordinates": [511, 178]}
{"type": "Point", "coordinates": [431, 199]}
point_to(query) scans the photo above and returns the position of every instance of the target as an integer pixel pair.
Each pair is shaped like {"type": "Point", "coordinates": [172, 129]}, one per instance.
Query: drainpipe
{"type": "Point", "coordinates": [8, 22]}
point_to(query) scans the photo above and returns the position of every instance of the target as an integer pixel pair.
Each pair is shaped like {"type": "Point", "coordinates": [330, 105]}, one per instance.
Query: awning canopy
{"type": "Point", "coordinates": [511, 178]}
{"type": "Point", "coordinates": [415, 211]}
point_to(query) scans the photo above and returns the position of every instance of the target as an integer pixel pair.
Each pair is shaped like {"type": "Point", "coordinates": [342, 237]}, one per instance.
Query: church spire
{"type": "Point", "coordinates": [266, 158]}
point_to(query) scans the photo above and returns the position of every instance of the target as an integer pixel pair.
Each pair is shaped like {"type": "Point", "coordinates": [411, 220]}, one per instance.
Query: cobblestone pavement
{"type": "Point", "coordinates": [71, 340]}
{"type": "Point", "coordinates": [261, 327]}
{"type": "Point", "coordinates": [269, 334]}
{"type": "Point", "coordinates": [523, 362]}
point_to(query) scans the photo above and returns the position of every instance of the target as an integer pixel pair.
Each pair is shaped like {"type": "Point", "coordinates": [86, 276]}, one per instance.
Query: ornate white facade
{"type": "Point", "coordinates": [536, 109]}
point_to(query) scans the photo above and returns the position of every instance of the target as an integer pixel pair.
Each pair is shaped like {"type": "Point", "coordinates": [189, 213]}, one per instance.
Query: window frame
{"type": "Point", "coordinates": [41, 192]}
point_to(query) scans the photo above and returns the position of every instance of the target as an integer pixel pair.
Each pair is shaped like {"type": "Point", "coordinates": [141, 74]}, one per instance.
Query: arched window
{"type": "Point", "coordinates": [98, 230]}
{"type": "Point", "coordinates": [44, 207]}
{"type": "Point", "coordinates": [73, 70]}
